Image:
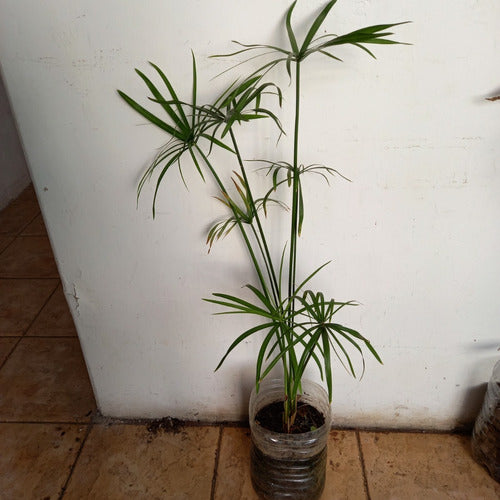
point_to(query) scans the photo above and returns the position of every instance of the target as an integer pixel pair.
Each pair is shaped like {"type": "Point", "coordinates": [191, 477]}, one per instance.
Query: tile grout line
{"type": "Point", "coordinates": [28, 277]}
{"type": "Point", "coordinates": [31, 220]}
{"type": "Point", "coordinates": [15, 235]}
{"type": "Point", "coordinates": [11, 351]}
{"type": "Point", "coordinates": [41, 235]}
{"type": "Point", "coordinates": [49, 337]}
{"type": "Point", "coordinates": [216, 463]}
{"type": "Point", "coordinates": [73, 467]}
{"type": "Point", "coordinates": [8, 244]}
{"type": "Point", "coordinates": [38, 336]}
{"type": "Point", "coordinates": [363, 466]}
{"type": "Point", "coordinates": [46, 422]}
{"type": "Point", "coordinates": [40, 311]}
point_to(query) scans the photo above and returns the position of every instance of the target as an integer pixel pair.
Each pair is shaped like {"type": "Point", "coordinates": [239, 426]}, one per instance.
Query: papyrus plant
{"type": "Point", "coordinates": [295, 324]}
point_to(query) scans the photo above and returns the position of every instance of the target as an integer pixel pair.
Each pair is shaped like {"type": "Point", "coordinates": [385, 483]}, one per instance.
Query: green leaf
{"type": "Point", "coordinates": [369, 34]}
{"type": "Point", "coordinates": [282, 353]}
{"type": "Point", "coordinates": [150, 116]}
{"type": "Point", "coordinates": [316, 25]}
{"type": "Point", "coordinates": [311, 276]}
{"type": "Point", "coordinates": [160, 177]}
{"type": "Point", "coordinates": [171, 91]}
{"type": "Point", "coordinates": [194, 92]}
{"type": "Point", "coordinates": [261, 296]}
{"type": "Point", "coordinates": [362, 47]}
{"type": "Point", "coordinates": [300, 210]}
{"type": "Point", "coordinates": [262, 353]}
{"type": "Point", "coordinates": [238, 90]}
{"type": "Point", "coordinates": [291, 35]}
{"type": "Point", "coordinates": [159, 99]}
{"type": "Point", "coordinates": [218, 143]}
{"type": "Point", "coordinates": [328, 362]}
{"type": "Point", "coordinates": [350, 368]}
{"type": "Point", "coordinates": [306, 356]}
{"type": "Point", "coordinates": [315, 357]}
{"type": "Point", "coordinates": [273, 117]}
{"type": "Point", "coordinates": [239, 305]}
{"type": "Point", "coordinates": [325, 53]}
{"type": "Point", "coordinates": [241, 338]}
{"type": "Point", "coordinates": [196, 163]}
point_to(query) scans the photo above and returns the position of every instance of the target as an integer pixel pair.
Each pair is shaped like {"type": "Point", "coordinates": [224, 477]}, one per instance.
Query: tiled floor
{"type": "Point", "coordinates": [53, 445]}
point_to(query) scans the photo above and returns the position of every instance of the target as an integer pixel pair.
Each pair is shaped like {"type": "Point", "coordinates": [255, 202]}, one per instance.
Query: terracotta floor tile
{"type": "Point", "coordinates": [28, 194]}
{"type": "Point", "coordinates": [20, 301]}
{"type": "Point", "coordinates": [430, 466]}
{"type": "Point", "coordinates": [46, 380]}
{"type": "Point", "coordinates": [36, 459]}
{"type": "Point", "coordinates": [5, 240]}
{"type": "Point", "coordinates": [55, 318]}
{"type": "Point", "coordinates": [28, 257]}
{"type": "Point", "coordinates": [233, 471]}
{"type": "Point", "coordinates": [35, 228]}
{"type": "Point", "coordinates": [127, 461]}
{"type": "Point", "coordinates": [344, 475]}
{"type": "Point", "coordinates": [17, 215]}
{"type": "Point", "coordinates": [6, 344]}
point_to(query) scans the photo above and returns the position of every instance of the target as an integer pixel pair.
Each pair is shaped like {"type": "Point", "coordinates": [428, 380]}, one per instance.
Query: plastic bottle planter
{"type": "Point", "coordinates": [486, 434]}
{"type": "Point", "coordinates": [291, 466]}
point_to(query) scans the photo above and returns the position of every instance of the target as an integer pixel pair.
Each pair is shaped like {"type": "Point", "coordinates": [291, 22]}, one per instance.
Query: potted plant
{"type": "Point", "coordinates": [289, 418]}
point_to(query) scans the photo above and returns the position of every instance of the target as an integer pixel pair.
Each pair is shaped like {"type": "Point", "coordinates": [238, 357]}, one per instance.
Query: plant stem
{"type": "Point", "coordinates": [239, 223]}
{"type": "Point", "coordinates": [290, 394]}
{"type": "Point", "coordinates": [295, 188]}
{"type": "Point", "coordinates": [262, 241]}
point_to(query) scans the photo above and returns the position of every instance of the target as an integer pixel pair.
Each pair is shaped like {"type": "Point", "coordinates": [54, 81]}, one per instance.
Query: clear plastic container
{"type": "Point", "coordinates": [289, 466]}
{"type": "Point", "coordinates": [486, 433]}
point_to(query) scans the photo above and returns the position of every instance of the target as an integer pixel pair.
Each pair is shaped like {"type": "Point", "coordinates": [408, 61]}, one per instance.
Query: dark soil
{"type": "Point", "coordinates": [167, 424]}
{"type": "Point", "coordinates": [308, 418]}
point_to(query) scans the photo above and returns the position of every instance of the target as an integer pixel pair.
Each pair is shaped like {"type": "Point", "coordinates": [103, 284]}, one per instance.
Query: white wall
{"type": "Point", "coordinates": [14, 176]}
{"type": "Point", "coordinates": [414, 237]}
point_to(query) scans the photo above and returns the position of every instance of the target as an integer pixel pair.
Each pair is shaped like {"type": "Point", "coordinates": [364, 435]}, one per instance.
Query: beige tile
{"type": "Point", "coordinates": [28, 257]}
{"type": "Point", "coordinates": [127, 461]}
{"type": "Point", "coordinates": [6, 345]}
{"type": "Point", "coordinates": [36, 459]}
{"type": "Point", "coordinates": [431, 466]}
{"type": "Point", "coordinates": [55, 318]}
{"type": "Point", "coordinates": [35, 228]}
{"type": "Point", "coordinates": [17, 215]}
{"type": "Point", "coordinates": [20, 301]}
{"type": "Point", "coordinates": [233, 471]}
{"type": "Point", "coordinates": [5, 240]}
{"type": "Point", "coordinates": [45, 380]}
{"type": "Point", "coordinates": [344, 475]}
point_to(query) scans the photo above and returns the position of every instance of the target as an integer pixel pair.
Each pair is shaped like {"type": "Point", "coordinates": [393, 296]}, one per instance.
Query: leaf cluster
{"type": "Point", "coordinates": [312, 44]}
{"type": "Point", "coordinates": [187, 124]}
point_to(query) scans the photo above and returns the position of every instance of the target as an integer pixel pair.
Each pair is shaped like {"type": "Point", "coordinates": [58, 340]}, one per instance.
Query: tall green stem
{"type": "Point", "coordinates": [295, 188]}
{"type": "Point", "coordinates": [290, 402]}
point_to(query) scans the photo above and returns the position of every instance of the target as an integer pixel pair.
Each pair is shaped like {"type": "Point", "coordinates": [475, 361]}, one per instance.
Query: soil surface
{"type": "Point", "coordinates": [308, 418]}
{"type": "Point", "coordinates": [167, 424]}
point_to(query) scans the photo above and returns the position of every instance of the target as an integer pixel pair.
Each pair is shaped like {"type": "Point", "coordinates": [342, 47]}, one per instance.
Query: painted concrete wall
{"type": "Point", "coordinates": [414, 237]}
{"type": "Point", "coordinates": [14, 176]}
